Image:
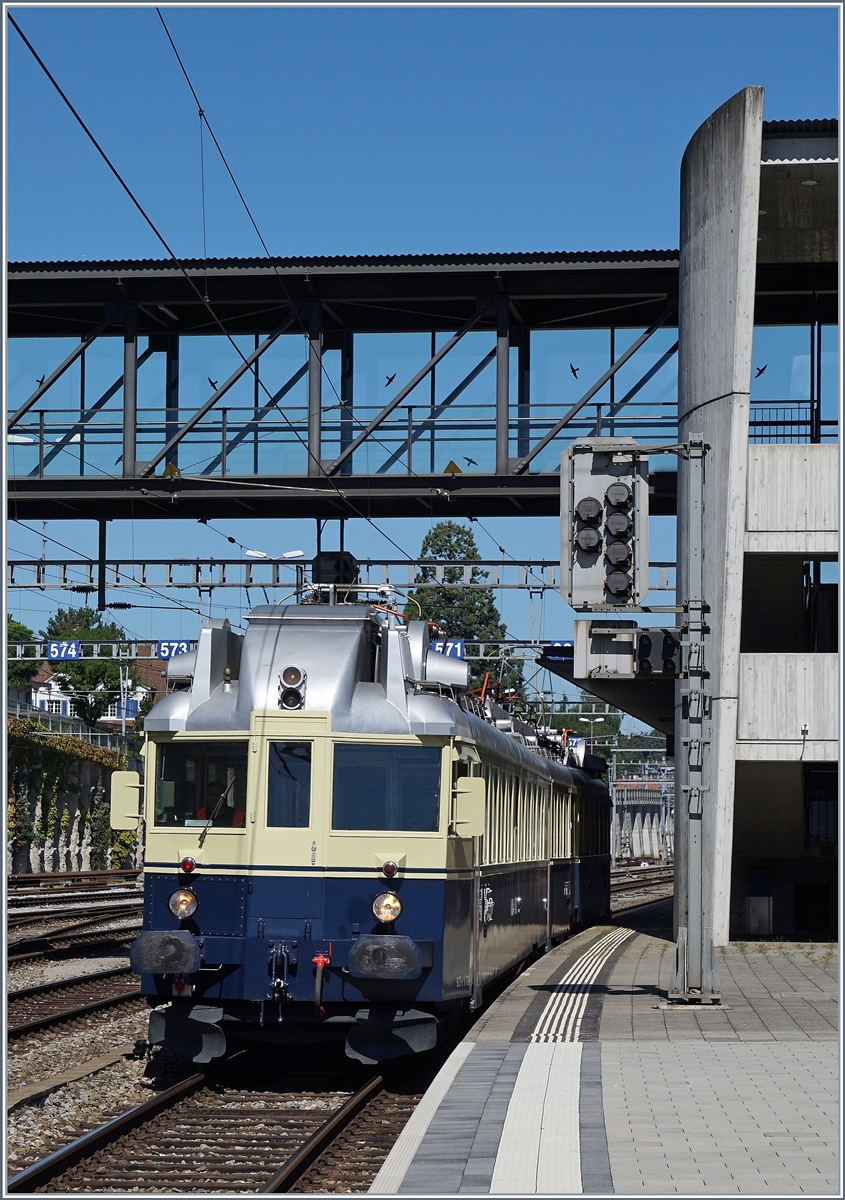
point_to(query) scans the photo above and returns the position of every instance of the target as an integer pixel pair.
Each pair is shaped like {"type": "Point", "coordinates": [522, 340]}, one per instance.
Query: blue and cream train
{"type": "Point", "coordinates": [341, 843]}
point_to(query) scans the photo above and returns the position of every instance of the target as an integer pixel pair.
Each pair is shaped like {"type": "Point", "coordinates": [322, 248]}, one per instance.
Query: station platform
{"type": "Point", "coordinates": [580, 1079]}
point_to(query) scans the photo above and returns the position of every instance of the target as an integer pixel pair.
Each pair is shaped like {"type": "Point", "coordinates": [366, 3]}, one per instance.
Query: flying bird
{"type": "Point", "coordinates": [41, 380]}
{"type": "Point", "coordinates": [117, 460]}
{"type": "Point", "coordinates": [213, 382]}
{"type": "Point", "coordinates": [574, 370]}
{"type": "Point", "coordinates": [760, 370]}
{"type": "Point", "coordinates": [390, 379]}
{"type": "Point", "coordinates": [470, 462]}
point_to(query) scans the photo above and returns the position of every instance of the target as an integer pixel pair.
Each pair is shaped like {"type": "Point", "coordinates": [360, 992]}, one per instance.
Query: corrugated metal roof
{"type": "Point", "coordinates": [795, 128]}
{"type": "Point", "coordinates": [350, 262]}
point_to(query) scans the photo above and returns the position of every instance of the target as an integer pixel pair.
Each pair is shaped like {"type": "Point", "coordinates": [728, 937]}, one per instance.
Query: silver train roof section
{"type": "Point", "coordinates": [353, 661]}
{"type": "Point", "coordinates": [373, 674]}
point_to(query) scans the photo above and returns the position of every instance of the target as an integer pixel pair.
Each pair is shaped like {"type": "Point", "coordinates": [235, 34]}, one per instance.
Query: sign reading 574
{"type": "Point", "coordinates": [64, 651]}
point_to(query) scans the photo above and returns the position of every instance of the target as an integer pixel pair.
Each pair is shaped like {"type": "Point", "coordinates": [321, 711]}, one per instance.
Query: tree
{"type": "Point", "coordinates": [91, 683]}
{"type": "Point", "coordinates": [19, 672]}
{"type": "Point", "coordinates": [463, 613]}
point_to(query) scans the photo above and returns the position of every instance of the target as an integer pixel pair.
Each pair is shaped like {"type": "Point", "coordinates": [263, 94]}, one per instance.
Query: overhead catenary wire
{"type": "Point", "coordinates": [191, 282]}
{"type": "Point", "coordinates": [204, 297]}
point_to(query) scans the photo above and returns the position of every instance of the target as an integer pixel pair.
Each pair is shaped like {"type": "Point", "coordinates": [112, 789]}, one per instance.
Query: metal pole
{"type": "Point", "coordinates": [315, 385]}
{"type": "Point", "coordinates": [502, 383]}
{"type": "Point", "coordinates": [410, 438]}
{"type": "Point", "coordinates": [171, 394]}
{"type": "Point", "coordinates": [695, 976]}
{"type": "Point", "coordinates": [224, 414]}
{"type": "Point", "coordinates": [82, 412]}
{"type": "Point", "coordinates": [101, 567]}
{"type": "Point", "coordinates": [433, 397]}
{"type": "Point", "coordinates": [347, 368]}
{"type": "Point", "coordinates": [41, 444]}
{"type": "Point", "coordinates": [255, 389]}
{"type": "Point", "coordinates": [130, 389]}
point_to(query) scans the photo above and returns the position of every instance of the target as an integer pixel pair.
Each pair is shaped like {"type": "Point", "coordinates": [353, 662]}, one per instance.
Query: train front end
{"type": "Point", "coordinates": [305, 879]}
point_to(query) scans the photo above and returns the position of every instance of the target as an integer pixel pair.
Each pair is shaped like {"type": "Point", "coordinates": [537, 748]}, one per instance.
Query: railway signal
{"type": "Point", "coordinates": [604, 524]}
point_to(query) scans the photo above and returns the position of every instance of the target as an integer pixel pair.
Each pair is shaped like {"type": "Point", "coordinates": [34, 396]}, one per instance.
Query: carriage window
{"type": "Point", "coordinates": [386, 787]}
{"type": "Point", "coordinates": [289, 785]}
{"type": "Point", "coordinates": [201, 781]}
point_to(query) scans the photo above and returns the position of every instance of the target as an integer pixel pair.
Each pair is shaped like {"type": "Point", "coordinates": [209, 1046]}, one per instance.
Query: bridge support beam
{"type": "Point", "coordinates": [315, 386]}
{"type": "Point", "coordinates": [130, 390]}
{"type": "Point", "coordinates": [502, 383]}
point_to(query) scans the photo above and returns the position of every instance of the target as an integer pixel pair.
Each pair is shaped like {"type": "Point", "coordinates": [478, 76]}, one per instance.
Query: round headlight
{"type": "Point", "coordinates": [183, 903]}
{"type": "Point", "coordinates": [291, 676]}
{"type": "Point", "coordinates": [387, 906]}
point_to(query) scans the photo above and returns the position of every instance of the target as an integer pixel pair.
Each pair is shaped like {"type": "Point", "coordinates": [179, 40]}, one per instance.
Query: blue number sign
{"type": "Point", "coordinates": [455, 649]}
{"type": "Point", "coordinates": [171, 649]}
{"type": "Point", "coordinates": [559, 650]}
{"type": "Point", "coordinates": [62, 651]}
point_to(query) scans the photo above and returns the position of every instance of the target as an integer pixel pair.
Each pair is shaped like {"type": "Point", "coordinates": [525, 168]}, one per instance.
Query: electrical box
{"type": "Point", "coordinates": [334, 566]}
{"type": "Point", "coordinates": [604, 524]}
{"type": "Point", "coordinates": [622, 650]}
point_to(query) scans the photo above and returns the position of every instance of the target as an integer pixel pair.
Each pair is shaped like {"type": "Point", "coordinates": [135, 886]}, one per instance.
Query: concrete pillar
{"type": "Point", "coordinates": [720, 189]}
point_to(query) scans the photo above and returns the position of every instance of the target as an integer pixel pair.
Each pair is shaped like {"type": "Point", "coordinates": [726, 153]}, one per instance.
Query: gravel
{"type": "Point", "coordinates": [37, 1129]}
{"type": "Point", "coordinates": [30, 974]}
{"type": "Point", "coordinates": [51, 1052]}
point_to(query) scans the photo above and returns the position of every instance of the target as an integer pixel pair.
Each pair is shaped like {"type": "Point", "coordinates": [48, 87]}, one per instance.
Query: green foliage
{"type": "Point", "coordinates": [463, 613]}
{"type": "Point", "coordinates": [91, 684]}
{"type": "Point", "coordinates": [42, 767]}
{"type": "Point", "coordinates": [100, 829]}
{"type": "Point", "coordinates": [19, 672]}
{"type": "Point", "coordinates": [605, 727]}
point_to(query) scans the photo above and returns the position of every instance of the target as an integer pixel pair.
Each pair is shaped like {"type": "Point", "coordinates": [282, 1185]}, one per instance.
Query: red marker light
{"type": "Point", "coordinates": [187, 864]}
{"type": "Point", "coordinates": [389, 869]}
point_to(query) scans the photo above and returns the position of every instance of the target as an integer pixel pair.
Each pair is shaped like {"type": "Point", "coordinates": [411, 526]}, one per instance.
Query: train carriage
{"type": "Point", "coordinates": [341, 843]}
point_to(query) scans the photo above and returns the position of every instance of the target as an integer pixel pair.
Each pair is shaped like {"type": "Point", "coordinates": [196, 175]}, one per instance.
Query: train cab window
{"type": "Point", "coordinates": [198, 782]}
{"type": "Point", "coordinates": [289, 785]}
{"type": "Point", "coordinates": [386, 787]}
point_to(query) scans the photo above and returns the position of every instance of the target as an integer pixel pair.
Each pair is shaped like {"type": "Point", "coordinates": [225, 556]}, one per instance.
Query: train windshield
{"type": "Point", "coordinates": [386, 787]}
{"type": "Point", "coordinates": [289, 785]}
{"type": "Point", "coordinates": [198, 782]}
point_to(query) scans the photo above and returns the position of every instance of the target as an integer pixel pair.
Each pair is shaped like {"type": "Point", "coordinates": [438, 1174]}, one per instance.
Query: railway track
{"type": "Point", "coordinates": [45, 1004]}
{"type": "Point", "coordinates": [98, 912]}
{"type": "Point", "coordinates": [217, 1132]}
{"type": "Point", "coordinates": [637, 878]}
{"type": "Point", "coordinates": [70, 945]}
{"type": "Point", "coordinates": [31, 883]}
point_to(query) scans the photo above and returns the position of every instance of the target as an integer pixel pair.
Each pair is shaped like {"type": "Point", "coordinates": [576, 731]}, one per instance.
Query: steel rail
{"type": "Point", "coordinates": [75, 943]}
{"type": "Point", "coordinates": [57, 877]}
{"type": "Point", "coordinates": [15, 1031]}
{"type": "Point", "coordinates": [32, 919]}
{"type": "Point", "coordinates": [54, 1164]}
{"type": "Point", "coordinates": [56, 985]}
{"type": "Point", "coordinates": [308, 1153]}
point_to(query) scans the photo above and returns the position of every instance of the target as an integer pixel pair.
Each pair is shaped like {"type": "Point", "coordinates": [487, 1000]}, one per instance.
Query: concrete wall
{"type": "Point", "coordinates": [720, 186]}
{"type": "Point", "coordinates": [792, 500]}
{"type": "Point", "coordinates": [778, 694]}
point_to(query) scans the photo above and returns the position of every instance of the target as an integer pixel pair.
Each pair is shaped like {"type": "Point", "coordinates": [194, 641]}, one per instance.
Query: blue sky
{"type": "Point", "coordinates": [368, 131]}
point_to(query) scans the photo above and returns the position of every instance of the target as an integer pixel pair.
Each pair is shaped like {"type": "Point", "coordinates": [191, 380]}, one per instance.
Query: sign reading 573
{"type": "Point", "coordinates": [64, 651]}
{"type": "Point", "coordinates": [171, 649]}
